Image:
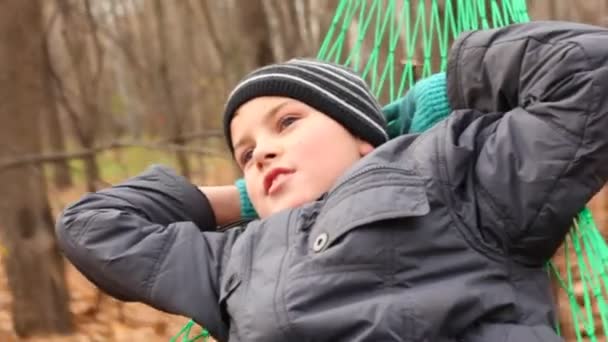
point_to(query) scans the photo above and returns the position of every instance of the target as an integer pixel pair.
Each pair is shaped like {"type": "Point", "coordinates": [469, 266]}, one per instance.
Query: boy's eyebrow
{"type": "Point", "coordinates": [267, 116]}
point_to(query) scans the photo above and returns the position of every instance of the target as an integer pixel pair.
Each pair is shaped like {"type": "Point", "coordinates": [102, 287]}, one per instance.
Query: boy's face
{"type": "Point", "coordinates": [289, 152]}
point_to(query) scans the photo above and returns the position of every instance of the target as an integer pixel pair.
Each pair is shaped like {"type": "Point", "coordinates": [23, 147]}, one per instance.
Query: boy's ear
{"type": "Point", "coordinates": [365, 148]}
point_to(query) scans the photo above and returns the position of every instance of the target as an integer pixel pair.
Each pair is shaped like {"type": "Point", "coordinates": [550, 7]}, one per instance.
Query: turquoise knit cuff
{"type": "Point", "coordinates": [391, 115]}
{"type": "Point", "coordinates": [398, 115]}
{"type": "Point", "coordinates": [247, 210]}
{"type": "Point", "coordinates": [432, 103]}
{"type": "Point", "coordinates": [425, 104]}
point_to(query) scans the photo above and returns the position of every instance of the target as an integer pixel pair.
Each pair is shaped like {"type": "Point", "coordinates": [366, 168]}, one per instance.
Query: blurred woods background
{"type": "Point", "coordinates": [93, 91]}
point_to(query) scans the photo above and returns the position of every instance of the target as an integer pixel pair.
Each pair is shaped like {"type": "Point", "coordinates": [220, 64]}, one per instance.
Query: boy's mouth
{"type": "Point", "coordinates": [272, 176]}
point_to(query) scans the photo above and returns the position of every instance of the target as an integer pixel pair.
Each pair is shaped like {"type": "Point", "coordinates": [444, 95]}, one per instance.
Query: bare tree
{"type": "Point", "coordinates": [588, 11]}
{"type": "Point", "coordinates": [174, 115]}
{"type": "Point", "coordinates": [77, 73]}
{"type": "Point", "coordinates": [33, 265]}
{"type": "Point", "coordinates": [62, 177]}
{"type": "Point", "coordinates": [294, 26]}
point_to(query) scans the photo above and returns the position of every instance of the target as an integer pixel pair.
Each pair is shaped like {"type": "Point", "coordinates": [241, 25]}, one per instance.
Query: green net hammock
{"type": "Point", "coordinates": [392, 43]}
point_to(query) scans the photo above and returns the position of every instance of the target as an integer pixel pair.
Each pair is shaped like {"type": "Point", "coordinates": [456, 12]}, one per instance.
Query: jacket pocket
{"type": "Point", "coordinates": [382, 194]}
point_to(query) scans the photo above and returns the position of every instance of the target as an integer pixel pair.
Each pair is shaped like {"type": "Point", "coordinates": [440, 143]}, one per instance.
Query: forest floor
{"type": "Point", "coordinates": [98, 317]}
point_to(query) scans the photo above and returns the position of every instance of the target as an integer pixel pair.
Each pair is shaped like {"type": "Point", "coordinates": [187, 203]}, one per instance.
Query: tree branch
{"type": "Point", "coordinates": [58, 156]}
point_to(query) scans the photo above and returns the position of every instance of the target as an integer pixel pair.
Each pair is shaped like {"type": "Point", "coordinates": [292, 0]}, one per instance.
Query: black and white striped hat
{"type": "Point", "coordinates": [329, 88]}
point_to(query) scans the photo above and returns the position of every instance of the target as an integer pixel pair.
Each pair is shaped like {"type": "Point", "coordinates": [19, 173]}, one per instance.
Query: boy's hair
{"type": "Point", "coordinates": [329, 88]}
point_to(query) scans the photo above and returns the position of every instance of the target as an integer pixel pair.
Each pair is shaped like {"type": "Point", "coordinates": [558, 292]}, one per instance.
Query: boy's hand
{"type": "Point", "coordinates": [230, 203]}
{"type": "Point", "coordinates": [224, 201]}
{"type": "Point", "coordinates": [425, 104]}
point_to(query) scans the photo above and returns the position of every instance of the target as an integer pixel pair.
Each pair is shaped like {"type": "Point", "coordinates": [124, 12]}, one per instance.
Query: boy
{"type": "Point", "coordinates": [441, 236]}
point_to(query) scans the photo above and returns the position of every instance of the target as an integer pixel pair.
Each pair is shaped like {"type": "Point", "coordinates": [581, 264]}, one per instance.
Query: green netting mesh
{"type": "Point", "coordinates": [585, 257]}
{"type": "Point", "coordinates": [184, 334]}
{"type": "Point", "coordinates": [392, 43]}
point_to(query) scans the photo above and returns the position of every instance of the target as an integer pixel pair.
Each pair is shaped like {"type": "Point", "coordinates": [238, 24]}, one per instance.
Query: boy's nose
{"type": "Point", "coordinates": [265, 153]}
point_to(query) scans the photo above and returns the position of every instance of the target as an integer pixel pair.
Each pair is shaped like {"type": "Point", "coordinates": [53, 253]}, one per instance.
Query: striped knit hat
{"type": "Point", "coordinates": [329, 88]}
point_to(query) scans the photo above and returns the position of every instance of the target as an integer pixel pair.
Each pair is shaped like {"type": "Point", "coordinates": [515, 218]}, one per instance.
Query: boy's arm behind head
{"type": "Point", "coordinates": [142, 241]}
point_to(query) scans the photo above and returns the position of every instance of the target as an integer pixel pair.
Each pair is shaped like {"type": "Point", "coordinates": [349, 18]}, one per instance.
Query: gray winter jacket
{"type": "Point", "coordinates": [437, 237]}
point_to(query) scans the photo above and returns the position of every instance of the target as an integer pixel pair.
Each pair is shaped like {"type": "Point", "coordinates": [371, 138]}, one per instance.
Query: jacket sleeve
{"type": "Point", "coordinates": [544, 88]}
{"type": "Point", "coordinates": [152, 240]}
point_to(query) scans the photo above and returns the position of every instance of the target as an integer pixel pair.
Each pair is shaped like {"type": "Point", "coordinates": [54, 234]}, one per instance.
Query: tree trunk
{"type": "Point", "coordinates": [174, 113]}
{"type": "Point", "coordinates": [34, 265]}
{"type": "Point", "coordinates": [255, 23]}
{"type": "Point", "coordinates": [85, 56]}
{"type": "Point", "coordinates": [91, 171]}
{"type": "Point", "coordinates": [62, 177]}
{"type": "Point", "coordinates": [182, 157]}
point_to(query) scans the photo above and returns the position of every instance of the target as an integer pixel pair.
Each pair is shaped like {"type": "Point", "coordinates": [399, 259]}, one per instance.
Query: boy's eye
{"type": "Point", "coordinates": [286, 121]}
{"type": "Point", "coordinates": [246, 156]}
